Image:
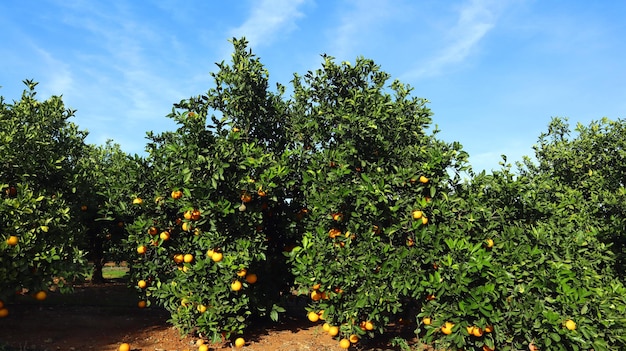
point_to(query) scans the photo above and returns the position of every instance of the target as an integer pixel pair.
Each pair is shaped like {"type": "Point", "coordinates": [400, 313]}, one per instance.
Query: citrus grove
{"type": "Point", "coordinates": [340, 198]}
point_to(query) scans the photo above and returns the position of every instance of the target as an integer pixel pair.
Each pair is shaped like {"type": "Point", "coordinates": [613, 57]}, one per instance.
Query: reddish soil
{"type": "Point", "coordinates": [100, 317]}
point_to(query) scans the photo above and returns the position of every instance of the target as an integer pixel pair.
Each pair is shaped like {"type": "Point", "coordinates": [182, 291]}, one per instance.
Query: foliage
{"type": "Point", "coordinates": [38, 148]}
{"type": "Point", "coordinates": [216, 192]}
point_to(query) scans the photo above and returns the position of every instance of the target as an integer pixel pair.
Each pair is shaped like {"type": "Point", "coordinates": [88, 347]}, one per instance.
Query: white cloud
{"type": "Point", "coordinates": [475, 19]}
{"type": "Point", "coordinates": [269, 19]}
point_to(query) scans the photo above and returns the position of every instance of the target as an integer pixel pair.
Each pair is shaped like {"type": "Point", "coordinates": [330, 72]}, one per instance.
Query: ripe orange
{"type": "Point", "coordinates": [313, 317]}
{"type": "Point", "coordinates": [153, 231]}
{"type": "Point", "coordinates": [245, 197]}
{"type": "Point", "coordinates": [333, 233]}
{"type": "Point", "coordinates": [188, 258]}
{"type": "Point", "coordinates": [488, 329]}
{"type": "Point", "coordinates": [235, 285]}
{"type": "Point", "coordinates": [195, 215]}
{"type": "Point", "coordinates": [4, 312]}
{"type": "Point", "coordinates": [242, 272]}
{"type": "Point", "coordinates": [478, 332]}
{"type": "Point", "coordinates": [201, 308]}
{"type": "Point", "coordinates": [12, 240]}
{"type": "Point", "coordinates": [337, 216]}
{"type": "Point", "coordinates": [164, 236]}
{"type": "Point", "coordinates": [239, 342]}
{"type": "Point", "coordinates": [369, 325]}
{"type": "Point", "coordinates": [141, 304]}
{"type": "Point", "coordinates": [427, 320]}
{"type": "Point", "coordinates": [261, 192]}
{"type": "Point", "coordinates": [333, 330]}
{"type": "Point", "coordinates": [354, 338]}
{"type": "Point", "coordinates": [187, 215]}
{"type": "Point", "coordinates": [447, 328]}
{"type": "Point", "coordinates": [424, 220]}
{"type": "Point", "coordinates": [251, 278]}
{"type": "Point", "coordinates": [179, 258]}
{"type": "Point", "coordinates": [137, 201]}
{"type": "Point", "coordinates": [141, 250]}
{"type": "Point", "coordinates": [217, 256]}
{"type": "Point", "coordinates": [177, 194]}
{"type": "Point", "coordinates": [316, 295]}
{"type": "Point", "coordinates": [41, 295]}
{"type": "Point", "coordinates": [417, 214]}
{"type": "Point", "coordinates": [326, 327]}
{"type": "Point", "coordinates": [186, 226]}
{"type": "Point", "coordinates": [570, 324]}
{"type": "Point", "coordinates": [423, 180]}
{"type": "Point", "coordinates": [203, 347]}
{"type": "Point", "coordinates": [344, 343]}
{"type": "Point", "coordinates": [124, 347]}
{"type": "Point", "coordinates": [142, 284]}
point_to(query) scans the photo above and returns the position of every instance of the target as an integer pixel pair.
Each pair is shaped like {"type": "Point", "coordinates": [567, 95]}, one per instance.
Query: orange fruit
{"type": "Point", "coordinates": [417, 214]}
{"type": "Point", "coordinates": [333, 233]}
{"type": "Point", "coordinates": [186, 226]}
{"type": "Point", "coordinates": [369, 325]}
{"type": "Point", "coordinates": [179, 258]}
{"type": "Point", "coordinates": [245, 197]}
{"type": "Point", "coordinates": [188, 258]}
{"type": "Point", "coordinates": [195, 215]}
{"type": "Point", "coordinates": [242, 272]}
{"type": "Point", "coordinates": [142, 304]}
{"type": "Point", "coordinates": [251, 278]}
{"type": "Point", "coordinates": [354, 338]}
{"type": "Point", "coordinates": [344, 343]}
{"type": "Point", "coordinates": [217, 256]}
{"type": "Point", "coordinates": [124, 347]}
{"type": "Point", "coordinates": [142, 284]}
{"type": "Point", "coordinates": [203, 347]}
{"type": "Point", "coordinates": [570, 324]}
{"type": "Point", "coordinates": [261, 192]}
{"type": "Point", "coordinates": [153, 231]}
{"type": "Point", "coordinates": [4, 312]}
{"type": "Point", "coordinates": [447, 328]}
{"type": "Point", "coordinates": [137, 201]}
{"type": "Point", "coordinates": [235, 285]}
{"type": "Point", "coordinates": [316, 286]}
{"type": "Point", "coordinates": [177, 194]}
{"type": "Point", "coordinates": [187, 215]}
{"type": "Point", "coordinates": [313, 317]}
{"type": "Point", "coordinates": [424, 220]}
{"type": "Point", "coordinates": [337, 216]}
{"type": "Point", "coordinates": [423, 180]}
{"type": "Point", "coordinates": [427, 320]}
{"type": "Point", "coordinates": [141, 250]}
{"type": "Point", "coordinates": [12, 240]}
{"type": "Point", "coordinates": [487, 348]}
{"type": "Point", "coordinates": [83, 208]}
{"type": "Point", "coordinates": [488, 329]}
{"type": "Point", "coordinates": [41, 295]}
{"type": "Point", "coordinates": [239, 342]}
{"type": "Point", "coordinates": [478, 332]}
{"type": "Point", "coordinates": [201, 308]}
{"type": "Point", "coordinates": [316, 295]}
{"type": "Point", "coordinates": [326, 327]}
{"type": "Point", "coordinates": [333, 330]}
{"type": "Point", "coordinates": [164, 236]}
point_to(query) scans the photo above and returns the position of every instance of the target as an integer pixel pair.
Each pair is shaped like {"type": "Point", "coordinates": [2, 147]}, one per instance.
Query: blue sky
{"type": "Point", "coordinates": [495, 71]}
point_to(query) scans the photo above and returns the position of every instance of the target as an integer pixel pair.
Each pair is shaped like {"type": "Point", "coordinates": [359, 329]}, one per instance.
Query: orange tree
{"type": "Point", "coordinates": [208, 235]}
{"type": "Point", "coordinates": [375, 183]}
{"type": "Point", "coordinates": [531, 272]}
{"type": "Point", "coordinates": [108, 180]}
{"type": "Point", "coordinates": [38, 151]}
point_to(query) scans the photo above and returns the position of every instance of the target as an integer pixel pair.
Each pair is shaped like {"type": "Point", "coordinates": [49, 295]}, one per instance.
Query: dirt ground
{"type": "Point", "coordinates": [100, 317]}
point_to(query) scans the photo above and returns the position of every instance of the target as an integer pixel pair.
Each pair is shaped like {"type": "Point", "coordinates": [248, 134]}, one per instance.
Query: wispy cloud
{"type": "Point", "coordinates": [475, 19]}
{"type": "Point", "coordinates": [268, 20]}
